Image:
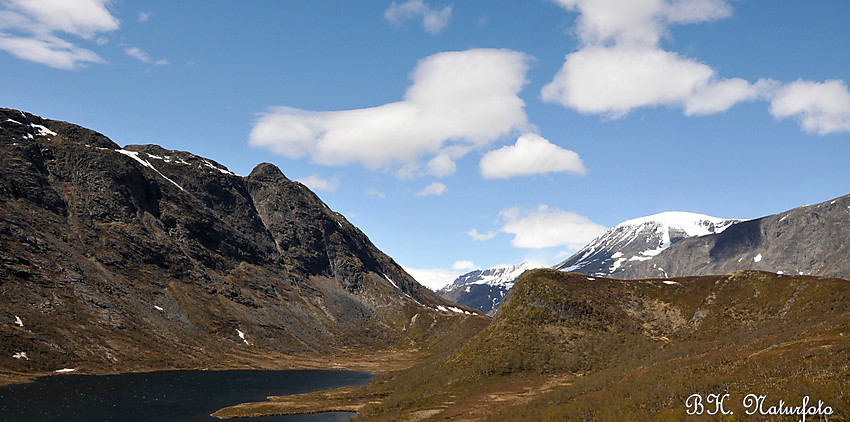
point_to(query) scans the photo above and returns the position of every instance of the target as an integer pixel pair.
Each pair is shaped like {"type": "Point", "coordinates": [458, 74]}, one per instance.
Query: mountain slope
{"type": "Point", "coordinates": [139, 257]}
{"type": "Point", "coordinates": [565, 346]}
{"type": "Point", "coordinates": [484, 289]}
{"type": "Point", "coordinates": [804, 240]}
{"type": "Point", "coordinates": [640, 240]}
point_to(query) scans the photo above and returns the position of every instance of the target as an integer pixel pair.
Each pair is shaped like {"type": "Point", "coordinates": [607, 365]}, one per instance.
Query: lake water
{"type": "Point", "coordinates": [169, 396]}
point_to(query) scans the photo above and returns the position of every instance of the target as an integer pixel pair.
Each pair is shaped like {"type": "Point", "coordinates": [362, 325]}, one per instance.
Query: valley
{"type": "Point", "coordinates": [567, 348]}
{"type": "Point", "coordinates": [138, 259]}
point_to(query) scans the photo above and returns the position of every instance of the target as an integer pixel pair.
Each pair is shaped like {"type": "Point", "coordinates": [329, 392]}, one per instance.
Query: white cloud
{"type": "Point", "coordinates": [612, 81]}
{"type": "Point", "coordinates": [30, 30]}
{"type": "Point", "coordinates": [457, 101]}
{"type": "Point", "coordinates": [144, 16]}
{"type": "Point", "coordinates": [435, 188]}
{"type": "Point", "coordinates": [531, 154]}
{"type": "Point", "coordinates": [315, 182]}
{"type": "Point", "coordinates": [562, 254]}
{"type": "Point", "coordinates": [142, 56]}
{"type": "Point", "coordinates": [621, 67]}
{"type": "Point", "coordinates": [52, 51]}
{"type": "Point", "coordinates": [83, 18]}
{"type": "Point", "coordinates": [464, 266]}
{"type": "Point", "coordinates": [721, 95]}
{"type": "Point", "coordinates": [137, 54]}
{"type": "Point", "coordinates": [481, 236]}
{"type": "Point", "coordinates": [434, 278]}
{"type": "Point", "coordinates": [548, 227]}
{"type": "Point", "coordinates": [433, 20]}
{"type": "Point", "coordinates": [639, 22]}
{"type": "Point", "coordinates": [821, 108]}
{"type": "Point", "coordinates": [442, 165]}
{"type": "Point", "coordinates": [376, 193]}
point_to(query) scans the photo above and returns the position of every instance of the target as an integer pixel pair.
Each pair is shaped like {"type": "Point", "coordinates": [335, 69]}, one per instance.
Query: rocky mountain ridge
{"type": "Point", "coordinates": [140, 257]}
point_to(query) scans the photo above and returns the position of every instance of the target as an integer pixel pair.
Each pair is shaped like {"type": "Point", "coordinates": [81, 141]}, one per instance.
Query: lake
{"type": "Point", "coordinates": [170, 396]}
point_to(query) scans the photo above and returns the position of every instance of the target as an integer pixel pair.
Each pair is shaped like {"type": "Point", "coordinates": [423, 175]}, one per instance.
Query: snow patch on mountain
{"type": "Point", "coordinates": [135, 155]}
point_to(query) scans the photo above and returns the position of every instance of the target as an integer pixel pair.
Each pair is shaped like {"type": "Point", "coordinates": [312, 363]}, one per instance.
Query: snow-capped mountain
{"type": "Point", "coordinates": [484, 289]}
{"type": "Point", "coordinates": [808, 240]}
{"type": "Point", "coordinates": [640, 239]}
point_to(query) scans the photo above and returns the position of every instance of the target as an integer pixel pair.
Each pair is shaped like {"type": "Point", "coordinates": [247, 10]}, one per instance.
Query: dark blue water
{"type": "Point", "coordinates": [168, 396]}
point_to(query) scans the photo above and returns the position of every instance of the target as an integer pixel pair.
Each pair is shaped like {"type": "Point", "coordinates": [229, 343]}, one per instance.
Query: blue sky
{"type": "Point", "coordinates": [465, 134]}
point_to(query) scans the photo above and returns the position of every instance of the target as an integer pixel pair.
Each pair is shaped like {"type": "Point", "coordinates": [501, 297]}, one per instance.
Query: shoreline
{"type": "Point", "coordinates": [374, 363]}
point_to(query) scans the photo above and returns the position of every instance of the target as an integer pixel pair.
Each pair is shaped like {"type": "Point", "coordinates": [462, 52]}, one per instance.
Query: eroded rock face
{"type": "Point", "coordinates": [142, 257]}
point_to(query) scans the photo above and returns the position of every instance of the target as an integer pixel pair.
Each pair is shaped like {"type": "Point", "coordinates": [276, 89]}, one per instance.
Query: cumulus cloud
{"type": "Point", "coordinates": [612, 81]}
{"type": "Point", "coordinates": [820, 108]}
{"type": "Point", "coordinates": [433, 20]}
{"type": "Point", "coordinates": [144, 16]}
{"type": "Point", "coordinates": [457, 101]}
{"type": "Point", "coordinates": [639, 22]}
{"type": "Point", "coordinates": [435, 188]}
{"type": "Point", "coordinates": [315, 182]}
{"type": "Point", "coordinates": [530, 155]}
{"type": "Point", "coordinates": [721, 95]}
{"type": "Point", "coordinates": [548, 227]}
{"type": "Point", "coordinates": [432, 278]}
{"type": "Point", "coordinates": [481, 236]}
{"type": "Point", "coordinates": [621, 67]}
{"type": "Point", "coordinates": [464, 266]}
{"type": "Point", "coordinates": [30, 30]}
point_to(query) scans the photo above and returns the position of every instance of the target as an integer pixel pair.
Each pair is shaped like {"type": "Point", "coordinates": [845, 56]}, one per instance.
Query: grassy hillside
{"type": "Point", "coordinates": [569, 347]}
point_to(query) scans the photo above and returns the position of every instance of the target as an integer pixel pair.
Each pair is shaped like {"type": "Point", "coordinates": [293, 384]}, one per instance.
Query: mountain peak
{"type": "Point", "coordinates": [267, 171]}
{"type": "Point", "coordinates": [640, 239]}
{"type": "Point", "coordinates": [804, 240]}
{"type": "Point", "coordinates": [692, 223]}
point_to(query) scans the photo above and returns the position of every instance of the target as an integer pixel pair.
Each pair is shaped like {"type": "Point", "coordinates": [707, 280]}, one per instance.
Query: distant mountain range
{"type": "Point", "coordinates": [808, 240]}
{"type": "Point", "coordinates": [134, 258]}
{"type": "Point", "coordinates": [484, 289]}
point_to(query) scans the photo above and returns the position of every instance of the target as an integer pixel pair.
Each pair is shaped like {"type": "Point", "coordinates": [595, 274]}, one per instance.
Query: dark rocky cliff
{"type": "Point", "coordinates": [142, 257]}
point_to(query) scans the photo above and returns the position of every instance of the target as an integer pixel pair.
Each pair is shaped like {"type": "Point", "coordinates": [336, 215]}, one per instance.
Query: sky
{"type": "Point", "coordinates": [464, 135]}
